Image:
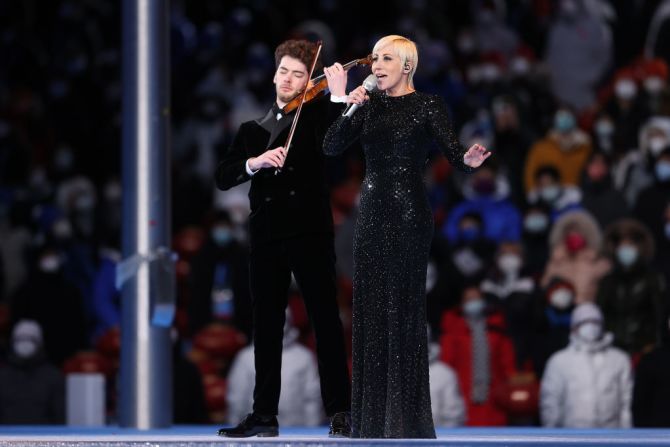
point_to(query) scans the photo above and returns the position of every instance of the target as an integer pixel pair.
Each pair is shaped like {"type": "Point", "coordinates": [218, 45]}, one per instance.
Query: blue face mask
{"type": "Point", "coordinates": [564, 121]}
{"type": "Point", "coordinates": [663, 171]}
{"type": "Point", "coordinates": [536, 223]}
{"type": "Point", "coordinates": [222, 235]}
{"type": "Point", "coordinates": [626, 255]}
{"type": "Point", "coordinates": [550, 193]}
{"type": "Point", "coordinates": [474, 307]}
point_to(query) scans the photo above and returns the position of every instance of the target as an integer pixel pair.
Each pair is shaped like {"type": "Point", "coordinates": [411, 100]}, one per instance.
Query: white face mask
{"type": "Point", "coordinates": [604, 128]}
{"type": "Point", "coordinates": [627, 255]}
{"type": "Point", "coordinates": [509, 263]}
{"type": "Point", "coordinates": [25, 348]}
{"type": "Point", "coordinates": [550, 193]}
{"type": "Point", "coordinates": [474, 307]}
{"type": "Point", "coordinates": [625, 89]}
{"type": "Point", "coordinates": [520, 66]}
{"type": "Point", "coordinates": [536, 222]}
{"type": "Point", "coordinates": [490, 72]}
{"type": "Point", "coordinates": [653, 85]}
{"type": "Point", "coordinates": [50, 263]}
{"type": "Point", "coordinates": [590, 331]}
{"type": "Point", "coordinates": [561, 298]}
{"type": "Point", "coordinates": [657, 144]}
{"type": "Point", "coordinates": [62, 229]}
{"type": "Point", "coordinates": [467, 262]}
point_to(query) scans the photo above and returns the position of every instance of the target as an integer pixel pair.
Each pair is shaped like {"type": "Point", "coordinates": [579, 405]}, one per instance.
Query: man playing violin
{"type": "Point", "coordinates": [291, 231]}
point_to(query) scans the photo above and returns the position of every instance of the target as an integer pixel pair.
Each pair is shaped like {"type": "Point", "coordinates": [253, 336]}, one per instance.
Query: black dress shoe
{"type": "Point", "coordinates": [252, 425]}
{"type": "Point", "coordinates": [340, 425]}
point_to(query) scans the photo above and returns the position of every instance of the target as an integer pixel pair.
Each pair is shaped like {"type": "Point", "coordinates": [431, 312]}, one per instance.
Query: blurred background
{"type": "Point", "coordinates": [573, 207]}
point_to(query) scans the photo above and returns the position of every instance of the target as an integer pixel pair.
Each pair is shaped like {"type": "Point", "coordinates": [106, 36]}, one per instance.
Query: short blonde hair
{"type": "Point", "coordinates": [404, 48]}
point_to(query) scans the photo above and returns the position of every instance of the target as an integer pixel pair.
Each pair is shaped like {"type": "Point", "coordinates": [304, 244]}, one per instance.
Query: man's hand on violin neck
{"type": "Point", "coordinates": [273, 158]}
{"type": "Point", "coordinates": [336, 76]}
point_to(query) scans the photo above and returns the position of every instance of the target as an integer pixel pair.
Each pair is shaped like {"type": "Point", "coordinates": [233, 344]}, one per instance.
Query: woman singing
{"type": "Point", "coordinates": [390, 396]}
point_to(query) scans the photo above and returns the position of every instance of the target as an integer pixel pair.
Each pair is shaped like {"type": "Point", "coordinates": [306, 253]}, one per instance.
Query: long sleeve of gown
{"type": "Point", "coordinates": [343, 133]}
{"type": "Point", "coordinates": [439, 127]}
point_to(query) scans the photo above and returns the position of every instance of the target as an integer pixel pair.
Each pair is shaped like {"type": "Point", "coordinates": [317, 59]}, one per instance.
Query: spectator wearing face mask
{"type": "Point", "coordinates": [575, 243]}
{"type": "Point", "coordinates": [599, 197]}
{"type": "Point", "coordinates": [487, 194]}
{"type": "Point", "coordinates": [445, 392]}
{"type": "Point", "coordinates": [32, 391]}
{"type": "Point", "coordinates": [513, 139]}
{"type": "Point", "coordinates": [635, 171]}
{"type": "Point", "coordinates": [631, 296]}
{"type": "Point", "coordinates": [551, 322]}
{"type": "Point", "coordinates": [219, 279]}
{"type": "Point", "coordinates": [49, 298]}
{"type": "Point", "coordinates": [651, 392]}
{"type": "Point", "coordinates": [565, 146]}
{"type": "Point", "coordinates": [475, 344]}
{"type": "Point", "coordinates": [551, 193]}
{"type": "Point", "coordinates": [627, 109]}
{"type": "Point", "coordinates": [470, 256]}
{"type": "Point", "coordinates": [508, 288]}
{"type": "Point", "coordinates": [536, 227]}
{"type": "Point", "coordinates": [652, 203]}
{"type": "Point", "coordinates": [603, 134]}
{"type": "Point", "coordinates": [78, 199]}
{"type": "Point", "coordinates": [655, 85]}
{"type": "Point", "coordinates": [589, 383]}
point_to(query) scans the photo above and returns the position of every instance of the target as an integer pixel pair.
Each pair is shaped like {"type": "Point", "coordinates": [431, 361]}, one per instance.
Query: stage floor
{"type": "Point", "coordinates": [200, 436]}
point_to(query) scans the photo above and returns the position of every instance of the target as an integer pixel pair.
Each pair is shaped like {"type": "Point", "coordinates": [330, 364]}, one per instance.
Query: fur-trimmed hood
{"type": "Point", "coordinates": [632, 229]}
{"type": "Point", "coordinates": [657, 122]}
{"type": "Point", "coordinates": [584, 222]}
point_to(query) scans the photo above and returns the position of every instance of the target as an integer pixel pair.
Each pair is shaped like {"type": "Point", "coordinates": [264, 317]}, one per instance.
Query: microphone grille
{"type": "Point", "coordinates": [370, 83]}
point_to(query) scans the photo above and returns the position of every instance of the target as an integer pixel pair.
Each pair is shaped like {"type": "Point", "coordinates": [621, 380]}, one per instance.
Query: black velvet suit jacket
{"type": "Point", "coordinates": [296, 201]}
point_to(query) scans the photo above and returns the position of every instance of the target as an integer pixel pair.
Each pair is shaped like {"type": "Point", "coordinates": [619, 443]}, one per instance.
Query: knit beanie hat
{"type": "Point", "coordinates": [586, 312]}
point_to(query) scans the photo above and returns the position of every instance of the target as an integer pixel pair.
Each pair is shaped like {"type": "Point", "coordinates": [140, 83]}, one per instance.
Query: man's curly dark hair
{"type": "Point", "coordinates": [302, 50]}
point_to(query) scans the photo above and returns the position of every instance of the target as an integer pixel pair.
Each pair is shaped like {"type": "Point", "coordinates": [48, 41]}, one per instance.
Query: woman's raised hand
{"type": "Point", "coordinates": [476, 155]}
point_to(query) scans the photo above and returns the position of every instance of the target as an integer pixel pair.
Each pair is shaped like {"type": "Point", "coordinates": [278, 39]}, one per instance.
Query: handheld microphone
{"type": "Point", "coordinates": [370, 84]}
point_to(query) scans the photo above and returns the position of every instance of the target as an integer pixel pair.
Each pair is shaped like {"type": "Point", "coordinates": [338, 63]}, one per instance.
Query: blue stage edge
{"type": "Point", "coordinates": [201, 436]}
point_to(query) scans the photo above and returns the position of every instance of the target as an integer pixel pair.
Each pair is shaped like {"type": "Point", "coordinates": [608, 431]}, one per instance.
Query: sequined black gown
{"type": "Point", "coordinates": [390, 395]}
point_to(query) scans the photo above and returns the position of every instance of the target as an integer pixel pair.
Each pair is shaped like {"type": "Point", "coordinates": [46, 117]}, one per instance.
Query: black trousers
{"type": "Point", "coordinates": [311, 258]}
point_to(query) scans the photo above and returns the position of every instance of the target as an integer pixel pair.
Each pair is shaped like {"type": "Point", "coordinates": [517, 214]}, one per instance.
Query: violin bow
{"type": "Point", "coordinates": [363, 61]}
{"type": "Point", "coordinates": [287, 146]}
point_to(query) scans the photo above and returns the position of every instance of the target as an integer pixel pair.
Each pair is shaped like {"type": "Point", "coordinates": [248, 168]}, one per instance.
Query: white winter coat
{"type": "Point", "coordinates": [587, 386]}
{"type": "Point", "coordinates": [445, 396]}
{"type": "Point", "coordinates": [300, 398]}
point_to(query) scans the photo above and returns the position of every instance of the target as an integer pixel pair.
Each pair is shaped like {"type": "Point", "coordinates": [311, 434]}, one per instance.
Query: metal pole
{"type": "Point", "coordinates": [146, 276]}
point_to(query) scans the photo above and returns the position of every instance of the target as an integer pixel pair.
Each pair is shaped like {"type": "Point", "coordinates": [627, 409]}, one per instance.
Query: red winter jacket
{"type": "Point", "coordinates": [456, 344]}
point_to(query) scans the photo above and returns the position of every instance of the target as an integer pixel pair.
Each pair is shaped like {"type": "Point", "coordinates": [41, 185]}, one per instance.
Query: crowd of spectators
{"type": "Point", "coordinates": [547, 282]}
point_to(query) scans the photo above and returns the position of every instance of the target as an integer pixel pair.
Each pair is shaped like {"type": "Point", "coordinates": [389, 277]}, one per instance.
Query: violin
{"type": "Point", "coordinates": [319, 85]}
{"type": "Point", "coordinates": [301, 101]}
